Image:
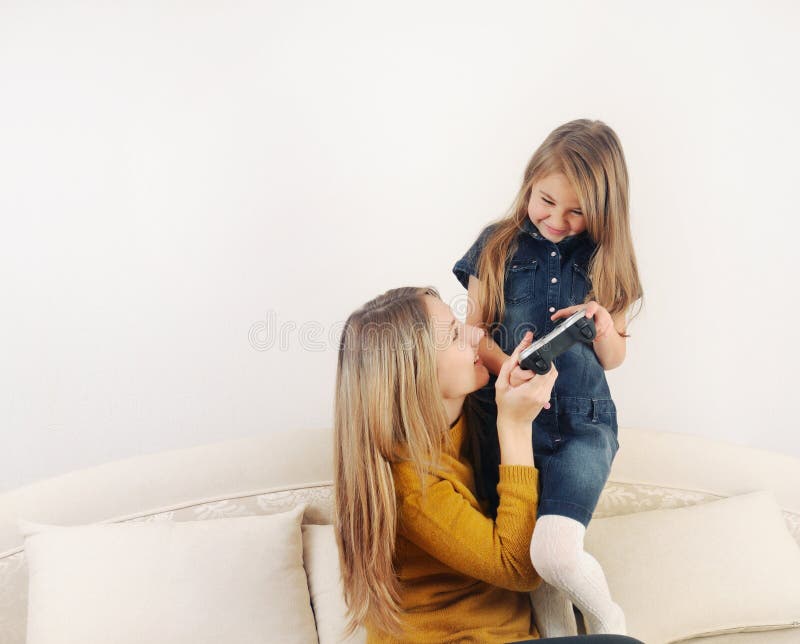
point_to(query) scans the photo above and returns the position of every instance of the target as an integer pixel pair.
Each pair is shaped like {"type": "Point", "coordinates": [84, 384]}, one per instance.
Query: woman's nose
{"type": "Point", "coordinates": [477, 335]}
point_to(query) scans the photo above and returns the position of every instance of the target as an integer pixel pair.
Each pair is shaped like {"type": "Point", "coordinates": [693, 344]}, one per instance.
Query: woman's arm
{"type": "Point", "coordinates": [444, 523]}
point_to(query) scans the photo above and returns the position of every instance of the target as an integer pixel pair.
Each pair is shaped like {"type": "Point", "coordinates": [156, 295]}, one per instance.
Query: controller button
{"type": "Point", "coordinates": [586, 332]}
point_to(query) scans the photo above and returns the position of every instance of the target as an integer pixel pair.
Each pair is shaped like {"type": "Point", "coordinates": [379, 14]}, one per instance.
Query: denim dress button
{"type": "Point", "coordinates": [554, 280]}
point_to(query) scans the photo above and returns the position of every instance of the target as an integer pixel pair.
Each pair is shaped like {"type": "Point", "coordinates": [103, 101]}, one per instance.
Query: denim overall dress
{"type": "Point", "coordinates": [575, 441]}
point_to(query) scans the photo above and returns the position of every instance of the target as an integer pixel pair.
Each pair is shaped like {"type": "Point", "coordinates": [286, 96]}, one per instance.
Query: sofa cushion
{"type": "Point", "coordinates": [720, 567]}
{"type": "Point", "coordinates": [222, 580]}
{"type": "Point", "coordinates": [321, 557]}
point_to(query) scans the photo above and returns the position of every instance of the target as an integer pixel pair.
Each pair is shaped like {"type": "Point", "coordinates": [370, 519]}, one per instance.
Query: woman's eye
{"type": "Point", "coordinates": [577, 212]}
{"type": "Point", "coordinates": [549, 203]}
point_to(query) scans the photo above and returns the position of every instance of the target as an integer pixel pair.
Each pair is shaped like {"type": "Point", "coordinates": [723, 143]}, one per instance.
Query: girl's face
{"type": "Point", "coordinates": [554, 208]}
{"type": "Point", "coordinates": [458, 367]}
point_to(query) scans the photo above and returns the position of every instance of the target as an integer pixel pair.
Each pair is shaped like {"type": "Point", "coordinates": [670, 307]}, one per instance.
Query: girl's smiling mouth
{"type": "Point", "coordinates": [554, 231]}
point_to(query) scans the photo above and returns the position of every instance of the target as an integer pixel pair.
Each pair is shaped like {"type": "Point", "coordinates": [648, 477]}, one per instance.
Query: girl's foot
{"type": "Point", "coordinates": [614, 622]}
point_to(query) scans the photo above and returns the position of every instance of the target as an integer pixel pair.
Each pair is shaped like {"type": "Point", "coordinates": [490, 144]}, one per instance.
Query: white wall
{"type": "Point", "coordinates": [174, 174]}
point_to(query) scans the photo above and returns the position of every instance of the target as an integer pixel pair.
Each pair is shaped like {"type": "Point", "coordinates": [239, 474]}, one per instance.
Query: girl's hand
{"type": "Point", "coordinates": [523, 402]}
{"type": "Point", "coordinates": [603, 323]}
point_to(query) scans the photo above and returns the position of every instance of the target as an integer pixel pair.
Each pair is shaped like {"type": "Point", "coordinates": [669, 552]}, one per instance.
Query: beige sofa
{"type": "Point", "coordinates": [276, 471]}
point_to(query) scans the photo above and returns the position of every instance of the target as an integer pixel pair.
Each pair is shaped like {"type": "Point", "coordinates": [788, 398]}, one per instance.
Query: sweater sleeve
{"type": "Point", "coordinates": [448, 527]}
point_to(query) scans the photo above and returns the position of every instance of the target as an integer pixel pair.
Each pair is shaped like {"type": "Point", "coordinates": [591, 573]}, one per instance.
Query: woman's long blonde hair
{"type": "Point", "coordinates": [589, 154]}
{"type": "Point", "coordinates": [387, 407]}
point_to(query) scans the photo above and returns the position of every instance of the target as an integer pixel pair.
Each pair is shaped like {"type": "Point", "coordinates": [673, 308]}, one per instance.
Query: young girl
{"type": "Point", "coordinates": [565, 246]}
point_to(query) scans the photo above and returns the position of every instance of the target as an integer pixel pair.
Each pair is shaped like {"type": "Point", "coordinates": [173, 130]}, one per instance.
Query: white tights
{"type": "Point", "coordinates": [570, 575]}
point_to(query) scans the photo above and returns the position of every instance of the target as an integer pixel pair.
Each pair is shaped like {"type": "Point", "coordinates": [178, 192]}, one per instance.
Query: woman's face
{"type": "Point", "coordinates": [458, 367]}
{"type": "Point", "coordinates": [554, 208]}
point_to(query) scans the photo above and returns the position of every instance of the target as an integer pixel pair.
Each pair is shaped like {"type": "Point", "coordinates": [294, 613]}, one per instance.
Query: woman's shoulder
{"type": "Point", "coordinates": [407, 477]}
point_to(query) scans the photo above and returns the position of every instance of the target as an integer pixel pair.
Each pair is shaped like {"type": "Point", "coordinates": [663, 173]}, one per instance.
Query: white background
{"type": "Point", "coordinates": [181, 180]}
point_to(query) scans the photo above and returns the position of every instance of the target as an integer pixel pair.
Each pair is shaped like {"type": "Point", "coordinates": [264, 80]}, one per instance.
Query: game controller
{"type": "Point", "coordinates": [576, 328]}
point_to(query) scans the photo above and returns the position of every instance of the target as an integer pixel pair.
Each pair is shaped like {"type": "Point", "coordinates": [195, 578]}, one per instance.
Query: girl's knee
{"type": "Point", "coordinates": [552, 559]}
{"type": "Point", "coordinates": [556, 546]}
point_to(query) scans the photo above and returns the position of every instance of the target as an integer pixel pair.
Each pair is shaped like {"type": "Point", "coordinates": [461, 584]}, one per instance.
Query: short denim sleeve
{"type": "Point", "coordinates": [468, 265]}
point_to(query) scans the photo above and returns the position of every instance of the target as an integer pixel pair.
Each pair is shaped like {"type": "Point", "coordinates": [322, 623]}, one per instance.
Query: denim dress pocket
{"type": "Point", "coordinates": [589, 417]}
{"type": "Point", "coordinates": [518, 286]}
{"type": "Point", "coordinates": [609, 419]}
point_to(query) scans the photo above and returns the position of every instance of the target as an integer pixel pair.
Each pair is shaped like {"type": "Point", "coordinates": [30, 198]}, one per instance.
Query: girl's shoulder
{"type": "Point", "coordinates": [468, 264]}
{"type": "Point", "coordinates": [486, 234]}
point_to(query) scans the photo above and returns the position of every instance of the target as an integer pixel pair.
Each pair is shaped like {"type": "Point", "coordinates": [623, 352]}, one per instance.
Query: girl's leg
{"type": "Point", "coordinates": [552, 612]}
{"type": "Point", "coordinates": [558, 556]}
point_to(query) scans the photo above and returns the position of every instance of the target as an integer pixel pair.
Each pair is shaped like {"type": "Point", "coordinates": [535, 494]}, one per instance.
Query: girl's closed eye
{"type": "Point", "coordinates": [550, 203]}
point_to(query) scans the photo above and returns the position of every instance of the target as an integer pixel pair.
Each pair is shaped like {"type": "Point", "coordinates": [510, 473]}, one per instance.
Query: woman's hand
{"type": "Point", "coordinates": [517, 406]}
{"type": "Point", "coordinates": [519, 375]}
{"type": "Point", "coordinates": [603, 323]}
{"type": "Point", "coordinates": [522, 398]}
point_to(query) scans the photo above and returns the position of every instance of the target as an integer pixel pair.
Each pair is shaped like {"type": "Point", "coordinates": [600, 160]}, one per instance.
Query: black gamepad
{"type": "Point", "coordinates": [576, 328]}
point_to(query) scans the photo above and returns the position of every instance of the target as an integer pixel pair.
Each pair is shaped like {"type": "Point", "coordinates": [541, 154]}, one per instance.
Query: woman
{"type": "Point", "coordinates": [425, 555]}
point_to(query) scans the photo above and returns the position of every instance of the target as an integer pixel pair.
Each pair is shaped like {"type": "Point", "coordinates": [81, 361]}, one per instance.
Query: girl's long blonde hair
{"type": "Point", "coordinates": [387, 407]}
{"type": "Point", "coordinates": [589, 154]}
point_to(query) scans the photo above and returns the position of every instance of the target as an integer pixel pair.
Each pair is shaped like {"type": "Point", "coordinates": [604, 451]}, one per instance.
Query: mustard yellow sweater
{"type": "Point", "coordinates": [464, 576]}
